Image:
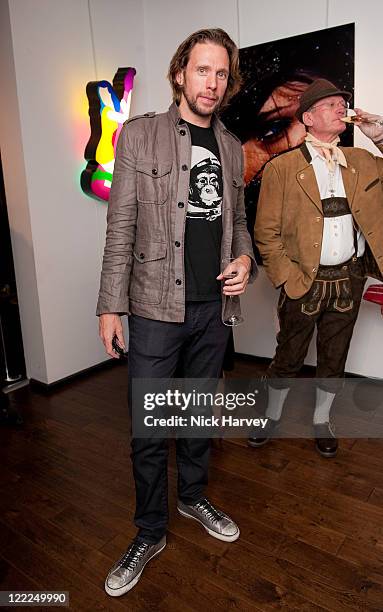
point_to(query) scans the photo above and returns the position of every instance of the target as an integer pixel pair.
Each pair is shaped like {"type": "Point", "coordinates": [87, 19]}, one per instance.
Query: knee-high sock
{"type": "Point", "coordinates": [323, 404]}
{"type": "Point", "coordinates": [275, 402]}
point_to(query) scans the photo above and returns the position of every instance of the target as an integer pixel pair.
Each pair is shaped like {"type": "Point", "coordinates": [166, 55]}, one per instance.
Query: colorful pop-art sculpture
{"type": "Point", "coordinates": [109, 107]}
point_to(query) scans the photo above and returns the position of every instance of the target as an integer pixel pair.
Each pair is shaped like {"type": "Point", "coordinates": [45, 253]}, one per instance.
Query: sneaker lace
{"type": "Point", "coordinates": [207, 508]}
{"type": "Point", "coordinates": [133, 555]}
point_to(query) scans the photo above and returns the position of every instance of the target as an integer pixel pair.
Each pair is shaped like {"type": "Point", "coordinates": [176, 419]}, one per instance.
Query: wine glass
{"type": "Point", "coordinates": [234, 319]}
{"type": "Point", "coordinates": [352, 117]}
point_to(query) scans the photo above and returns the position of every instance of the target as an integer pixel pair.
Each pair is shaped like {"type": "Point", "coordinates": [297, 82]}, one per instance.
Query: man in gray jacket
{"type": "Point", "coordinates": [176, 212]}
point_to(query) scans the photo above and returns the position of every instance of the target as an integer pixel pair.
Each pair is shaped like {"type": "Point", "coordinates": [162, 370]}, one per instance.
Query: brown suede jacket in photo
{"type": "Point", "coordinates": [289, 222]}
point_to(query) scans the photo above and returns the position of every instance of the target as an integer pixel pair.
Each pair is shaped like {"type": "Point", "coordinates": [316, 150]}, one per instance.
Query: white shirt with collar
{"type": "Point", "coordinates": [338, 232]}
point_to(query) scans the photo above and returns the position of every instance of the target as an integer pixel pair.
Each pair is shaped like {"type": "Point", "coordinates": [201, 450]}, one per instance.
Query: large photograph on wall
{"type": "Point", "coordinates": [275, 74]}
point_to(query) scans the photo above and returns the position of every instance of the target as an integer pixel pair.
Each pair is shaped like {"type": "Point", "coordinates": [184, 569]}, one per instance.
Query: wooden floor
{"type": "Point", "coordinates": [311, 528]}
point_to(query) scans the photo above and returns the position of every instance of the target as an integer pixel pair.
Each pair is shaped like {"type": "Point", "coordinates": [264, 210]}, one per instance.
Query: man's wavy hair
{"type": "Point", "coordinates": [181, 57]}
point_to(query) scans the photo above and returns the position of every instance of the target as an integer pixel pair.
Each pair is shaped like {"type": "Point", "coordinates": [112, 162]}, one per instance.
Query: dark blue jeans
{"type": "Point", "coordinates": [157, 349]}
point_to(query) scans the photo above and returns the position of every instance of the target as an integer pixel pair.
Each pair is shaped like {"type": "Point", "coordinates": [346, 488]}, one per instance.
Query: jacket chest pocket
{"type": "Point", "coordinates": [372, 184]}
{"type": "Point", "coordinates": [153, 181]}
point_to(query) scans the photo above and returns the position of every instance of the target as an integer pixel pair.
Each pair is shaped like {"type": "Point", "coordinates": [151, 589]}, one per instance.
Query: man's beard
{"type": "Point", "coordinates": [192, 104]}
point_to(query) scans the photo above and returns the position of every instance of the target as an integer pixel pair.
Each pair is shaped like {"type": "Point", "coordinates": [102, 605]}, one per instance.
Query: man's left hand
{"type": "Point", "coordinates": [236, 285]}
{"type": "Point", "coordinates": [371, 130]}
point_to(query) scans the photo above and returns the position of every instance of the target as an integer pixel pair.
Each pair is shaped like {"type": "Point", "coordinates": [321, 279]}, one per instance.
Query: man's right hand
{"type": "Point", "coordinates": [109, 326]}
{"type": "Point", "coordinates": [371, 130]}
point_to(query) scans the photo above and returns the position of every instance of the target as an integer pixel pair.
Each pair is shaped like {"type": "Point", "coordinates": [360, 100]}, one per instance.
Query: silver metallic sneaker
{"type": "Point", "coordinates": [217, 523]}
{"type": "Point", "coordinates": [125, 574]}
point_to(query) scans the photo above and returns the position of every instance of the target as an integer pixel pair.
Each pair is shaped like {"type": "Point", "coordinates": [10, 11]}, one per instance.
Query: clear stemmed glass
{"type": "Point", "coordinates": [352, 117]}
{"type": "Point", "coordinates": [234, 319]}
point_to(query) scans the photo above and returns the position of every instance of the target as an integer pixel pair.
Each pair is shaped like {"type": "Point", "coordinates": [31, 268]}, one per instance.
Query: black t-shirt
{"type": "Point", "coordinates": [203, 231]}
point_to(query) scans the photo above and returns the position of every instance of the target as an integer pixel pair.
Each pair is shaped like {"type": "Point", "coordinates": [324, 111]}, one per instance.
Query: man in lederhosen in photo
{"type": "Point", "coordinates": [319, 229]}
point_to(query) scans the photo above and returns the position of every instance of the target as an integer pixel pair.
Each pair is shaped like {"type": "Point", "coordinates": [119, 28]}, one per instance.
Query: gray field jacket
{"type": "Point", "coordinates": [143, 264]}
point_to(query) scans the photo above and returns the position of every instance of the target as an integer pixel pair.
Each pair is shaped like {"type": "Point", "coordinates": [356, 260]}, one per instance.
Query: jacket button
{"type": "Point", "coordinates": [302, 176]}
{"type": "Point", "coordinates": [353, 170]}
{"type": "Point", "coordinates": [314, 269]}
{"type": "Point", "coordinates": [178, 281]}
{"type": "Point", "coordinates": [182, 132]}
{"type": "Point", "coordinates": [181, 204]}
{"type": "Point", "coordinates": [184, 167]}
{"type": "Point", "coordinates": [154, 171]}
{"type": "Point", "coordinates": [178, 244]}
{"type": "Point", "coordinates": [141, 255]}
{"type": "Point", "coordinates": [316, 244]}
{"type": "Point", "coordinates": [317, 219]}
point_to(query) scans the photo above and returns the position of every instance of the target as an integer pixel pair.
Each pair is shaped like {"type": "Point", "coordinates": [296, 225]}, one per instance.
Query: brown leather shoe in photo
{"type": "Point", "coordinates": [325, 440]}
{"type": "Point", "coordinates": [259, 439]}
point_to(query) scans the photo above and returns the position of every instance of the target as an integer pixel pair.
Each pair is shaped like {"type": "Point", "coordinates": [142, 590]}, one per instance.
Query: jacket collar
{"type": "Point", "coordinates": [174, 113]}
{"type": "Point", "coordinates": [306, 178]}
{"type": "Point", "coordinates": [308, 182]}
{"type": "Point", "coordinates": [305, 152]}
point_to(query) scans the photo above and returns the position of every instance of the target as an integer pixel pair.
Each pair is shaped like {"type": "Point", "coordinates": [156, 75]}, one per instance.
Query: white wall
{"type": "Point", "coordinates": [17, 194]}
{"type": "Point", "coordinates": [57, 232]}
{"type": "Point", "coordinates": [49, 50]}
{"type": "Point", "coordinates": [167, 24]}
